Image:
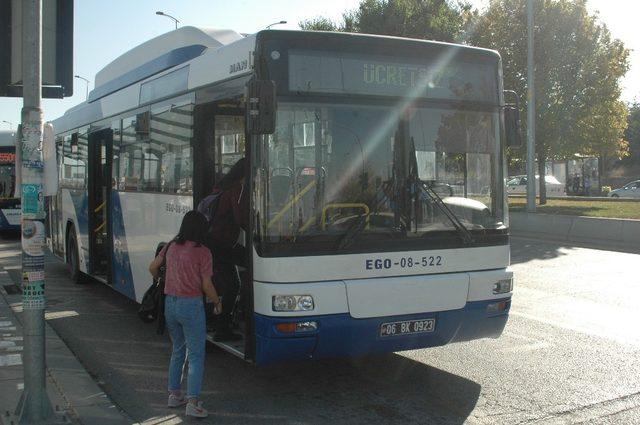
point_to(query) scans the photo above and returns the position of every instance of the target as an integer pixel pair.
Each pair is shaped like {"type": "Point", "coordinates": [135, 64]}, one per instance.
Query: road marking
{"type": "Point", "coordinates": [9, 343]}
{"type": "Point", "coordinates": [527, 347]}
{"type": "Point", "coordinates": [531, 343]}
{"type": "Point", "coordinates": [592, 412]}
{"type": "Point", "coordinates": [10, 360]}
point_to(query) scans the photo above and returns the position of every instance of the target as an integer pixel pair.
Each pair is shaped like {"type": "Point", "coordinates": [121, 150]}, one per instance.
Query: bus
{"type": "Point", "coordinates": [10, 209]}
{"type": "Point", "coordinates": [377, 217]}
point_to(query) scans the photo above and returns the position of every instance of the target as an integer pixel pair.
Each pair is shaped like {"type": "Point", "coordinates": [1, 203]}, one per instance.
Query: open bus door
{"type": "Point", "coordinates": [220, 128]}
{"type": "Point", "coordinates": [99, 192]}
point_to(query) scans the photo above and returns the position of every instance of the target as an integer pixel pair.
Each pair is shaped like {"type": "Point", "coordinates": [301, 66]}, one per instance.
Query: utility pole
{"type": "Point", "coordinates": [531, 115]}
{"type": "Point", "coordinates": [34, 406]}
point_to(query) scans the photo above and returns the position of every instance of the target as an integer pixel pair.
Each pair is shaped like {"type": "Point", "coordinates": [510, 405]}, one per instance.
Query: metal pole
{"type": "Point", "coordinates": [531, 115]}
{"type": "Point", "coordinates": [34, 404]}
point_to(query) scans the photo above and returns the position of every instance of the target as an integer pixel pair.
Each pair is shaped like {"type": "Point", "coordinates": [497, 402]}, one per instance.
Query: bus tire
{"type": "Point", "coordinates": [73, 259]}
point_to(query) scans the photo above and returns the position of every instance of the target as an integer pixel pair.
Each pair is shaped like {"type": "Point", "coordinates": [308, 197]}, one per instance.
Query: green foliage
{"type": "Point", "coordinates": [578, 67]}
{"type": "Point", "coordinates": [632, 134]}
{"type": "Point", "coordinates": [426, 19]}
{"type": "Point", "coordinates": [586, 207]}
{"type": "Point", "coordinates": [318, 24]}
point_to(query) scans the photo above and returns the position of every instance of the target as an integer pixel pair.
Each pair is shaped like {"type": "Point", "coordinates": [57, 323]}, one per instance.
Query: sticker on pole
{"type": "Point", "coordinates": [33, 295]}
{"type": "Point", "coordinates": [32, 146]}
{"type": "Point", "coordinates": [32, 204]}
{"type": "Point", "coordinates": [33, 240]}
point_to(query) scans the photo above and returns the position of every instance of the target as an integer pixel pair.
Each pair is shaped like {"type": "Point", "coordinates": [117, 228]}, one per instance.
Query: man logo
{"type": "Point", "coordinates": [238, 66]}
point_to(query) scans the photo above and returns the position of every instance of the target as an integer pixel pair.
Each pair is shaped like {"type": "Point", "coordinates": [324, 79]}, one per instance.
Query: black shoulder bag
{"type": "Point", "coordinates": [152, 306]}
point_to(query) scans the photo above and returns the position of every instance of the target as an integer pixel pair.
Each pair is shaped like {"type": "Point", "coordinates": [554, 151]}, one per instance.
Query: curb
{"type": "Point", "coordinates": [86, 402]}
{"type": "Point", "coordinates": [592, 231]}
{"type": "Point", "coordinates": [581, 198]}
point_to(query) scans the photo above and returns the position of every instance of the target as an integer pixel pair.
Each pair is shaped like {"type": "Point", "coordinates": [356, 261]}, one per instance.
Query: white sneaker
{"type": "Point", "coordinates": [196, 410]}
{"type": "Point", "coordinates": [175, 401]}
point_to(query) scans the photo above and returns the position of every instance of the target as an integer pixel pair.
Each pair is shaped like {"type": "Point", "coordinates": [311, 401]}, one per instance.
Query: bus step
{"type": "Point", "coordinates": [234, 347]}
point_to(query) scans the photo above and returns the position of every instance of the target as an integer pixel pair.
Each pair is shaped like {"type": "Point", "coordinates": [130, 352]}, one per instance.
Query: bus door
{"type": "Point", "coordinates": [99, 188]}
{"type": "Point", "coordinates": [220, 136]}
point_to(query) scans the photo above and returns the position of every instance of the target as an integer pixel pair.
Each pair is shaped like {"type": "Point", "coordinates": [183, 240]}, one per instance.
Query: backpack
{"type": "Point", "coordinates": [209, 205]}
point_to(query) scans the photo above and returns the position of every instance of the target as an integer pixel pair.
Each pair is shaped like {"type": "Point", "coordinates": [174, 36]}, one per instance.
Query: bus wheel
{"type": "Point", "coordinates": [73, 260]}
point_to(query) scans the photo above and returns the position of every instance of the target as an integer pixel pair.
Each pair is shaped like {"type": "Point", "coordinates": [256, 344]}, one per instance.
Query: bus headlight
{"type": "Point", "coordinates": [503, 286]}
{"type": "Point", "coordinates": [292, 303]}
{"type": "Point", "coordinates": [305, 302]}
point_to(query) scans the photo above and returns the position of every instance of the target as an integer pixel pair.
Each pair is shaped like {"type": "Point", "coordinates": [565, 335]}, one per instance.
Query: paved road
{"type": "Point", "coordinates": [570, 354]}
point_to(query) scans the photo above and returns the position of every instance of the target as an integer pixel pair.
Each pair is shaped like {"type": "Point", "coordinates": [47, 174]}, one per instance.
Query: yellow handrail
{"type": "Point", "coordinates": [289, 204]}
{"type": "Point", "coordinates": [99, 207]}
{"type": "Point", "coordinates": [97, 229]}
{"type": "Point", "coordinates": [306, 225]}
{"type": "Point", "coordinates": [327, 207]}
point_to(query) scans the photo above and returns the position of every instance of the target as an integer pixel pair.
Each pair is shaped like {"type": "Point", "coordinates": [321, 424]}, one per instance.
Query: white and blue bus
{"type": "Point", "coordinates": [376, 170]}
{"type": "Point", "coordinates": [10, 212]}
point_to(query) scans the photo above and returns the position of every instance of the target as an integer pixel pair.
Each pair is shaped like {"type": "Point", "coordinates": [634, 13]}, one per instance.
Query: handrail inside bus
{"type": "Point", "coordinates": [99, 228]}
{"type": "Point", "coordinates": [99, 207]}
{"type": "Point", "coordinates": [337, 206]}
{"type": "Point", "coordinates": [291, 203]}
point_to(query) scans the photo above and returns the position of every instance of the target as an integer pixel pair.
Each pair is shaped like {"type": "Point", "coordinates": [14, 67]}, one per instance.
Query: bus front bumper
{"type": "Point", "coordinates": [340, 335]}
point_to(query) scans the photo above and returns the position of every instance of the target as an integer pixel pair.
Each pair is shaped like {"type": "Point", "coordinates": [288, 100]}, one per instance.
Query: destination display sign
{"type": "Point", "coordinates": [7, 158]}
{"type": "Point", "coordinates": [437, 78]}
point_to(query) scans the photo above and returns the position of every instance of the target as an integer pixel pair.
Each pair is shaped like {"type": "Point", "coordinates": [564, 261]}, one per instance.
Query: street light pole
{"type": "Point", "coordinates": [531, 115]}
{"type": "Point", "coordinates": [175, 20]}
{"type": "Point", "coordinates": [34, 406]}
{"type": "Point", "coordinates": [87, 86]}
{"type": "Point", "coordinates": [10, 124]}
{"type": "Point", "coordinates": [276, 23]}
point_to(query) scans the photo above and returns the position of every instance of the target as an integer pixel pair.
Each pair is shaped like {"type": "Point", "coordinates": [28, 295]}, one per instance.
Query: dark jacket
{"type": "Point", "coordinates": [229, 217]}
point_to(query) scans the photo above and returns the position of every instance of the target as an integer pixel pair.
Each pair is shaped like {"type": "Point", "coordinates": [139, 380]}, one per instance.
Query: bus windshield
{"type": "Point", "coordinates": [336, 172]}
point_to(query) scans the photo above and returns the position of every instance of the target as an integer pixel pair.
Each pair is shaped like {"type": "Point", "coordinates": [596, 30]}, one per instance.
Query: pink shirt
{"type": "Point", "coordinates": [187, 265]}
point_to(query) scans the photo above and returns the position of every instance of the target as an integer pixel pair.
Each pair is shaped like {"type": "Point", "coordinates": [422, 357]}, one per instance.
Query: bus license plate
{"type": "Point", "coordinates": [407, 327]}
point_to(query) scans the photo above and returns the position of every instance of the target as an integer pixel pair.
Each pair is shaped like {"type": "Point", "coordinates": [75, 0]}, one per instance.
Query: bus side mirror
{"type": "Point", "coordinates": [512, 126]}
{"type": "Point", "coordinates": [261, 107]}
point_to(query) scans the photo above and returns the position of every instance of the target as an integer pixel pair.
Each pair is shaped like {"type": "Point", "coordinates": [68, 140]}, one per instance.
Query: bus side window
{"type": "Point", "coordinates": [67, 167]}
{"type": "Point", "coordinates": [131, 155]}
{"type": "Point", "coordinates": [171, 148]}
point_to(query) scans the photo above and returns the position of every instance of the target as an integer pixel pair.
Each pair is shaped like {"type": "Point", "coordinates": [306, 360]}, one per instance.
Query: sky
{"type": "Point", "coordinates": [106, 29]}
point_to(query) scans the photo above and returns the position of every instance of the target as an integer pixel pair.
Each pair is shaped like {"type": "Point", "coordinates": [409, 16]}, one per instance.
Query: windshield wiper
{"type": "Point", "coordinates": [464, 233]}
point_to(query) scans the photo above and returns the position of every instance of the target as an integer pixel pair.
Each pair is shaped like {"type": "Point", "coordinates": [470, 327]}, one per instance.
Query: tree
{"type": "Point", "coordinates": [632, 134]}
{"type": "Point", "coordinates": [440, 20]}
{"type": "Point", "coordinates": [319, 24]}
{"type": "Point", "coordinates": [578, 67]}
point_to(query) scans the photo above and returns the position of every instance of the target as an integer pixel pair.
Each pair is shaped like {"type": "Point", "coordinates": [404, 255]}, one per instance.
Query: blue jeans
{"type": "Point", "coordinates": [187, 328]}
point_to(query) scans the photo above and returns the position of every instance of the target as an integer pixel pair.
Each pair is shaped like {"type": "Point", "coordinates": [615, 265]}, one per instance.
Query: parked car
{"type": "Point", "coordinates": [517, 185]}
{"type": "Point", "coordinates": [629, 190]}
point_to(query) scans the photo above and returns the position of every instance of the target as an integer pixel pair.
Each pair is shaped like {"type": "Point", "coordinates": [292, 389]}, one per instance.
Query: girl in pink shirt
{"type": "Point", "coordinates": [188, 278]}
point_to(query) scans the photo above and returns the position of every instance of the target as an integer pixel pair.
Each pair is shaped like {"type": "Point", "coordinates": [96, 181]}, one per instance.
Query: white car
{"type": "Point", "coordinates": [517, 185]}
{"type": "Point", "coordinates": [629, 190]}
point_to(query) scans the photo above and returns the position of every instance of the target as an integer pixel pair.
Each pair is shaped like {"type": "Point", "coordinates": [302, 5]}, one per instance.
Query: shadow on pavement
{"type": "Point", "coordinates": [129, 361]}
{"type": "Point", "coordinates": [524, 250]}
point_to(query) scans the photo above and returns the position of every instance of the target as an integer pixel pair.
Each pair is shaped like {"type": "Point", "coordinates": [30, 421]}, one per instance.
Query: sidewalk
{"type": "Point", "coordinates": [72, 392]}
